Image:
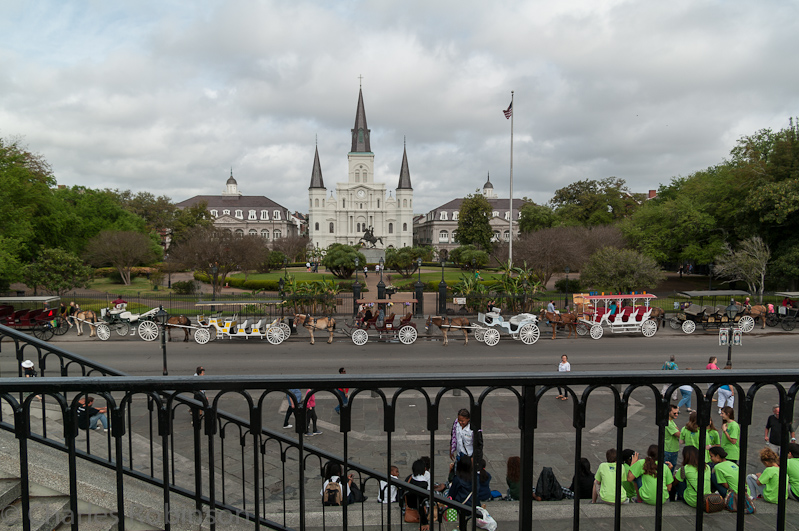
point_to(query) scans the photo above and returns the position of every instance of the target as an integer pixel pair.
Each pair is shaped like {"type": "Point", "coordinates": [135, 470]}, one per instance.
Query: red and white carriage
{"type": "Point", "coordinates": [620, 314]}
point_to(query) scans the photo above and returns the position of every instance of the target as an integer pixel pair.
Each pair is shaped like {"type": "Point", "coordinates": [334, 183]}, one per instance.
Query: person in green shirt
{"type": "Point", "coordinates": [730, 432]}
{"type": "Point", "coordinates": [647, 470]}
{"type": "Point", "coordinates": [626, 461]}
{"type": "Point", "coordinates": [725, 472]}
{"type": "Point", "coordinates": [605, 481]}
{"type": "Point", "coordinates": [688, 476]}
{"type": "Point", "coordinates": [766, 484]}
{"type": "Point", "coordinates": [690, 435]}
{"type": "Point", "coordinates": [671, 445]}
{"type": "Point", "coordinates": [793, 470]}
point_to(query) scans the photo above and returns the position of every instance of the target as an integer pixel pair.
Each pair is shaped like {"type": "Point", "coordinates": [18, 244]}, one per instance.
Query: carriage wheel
{"type": "Point", "coordinates": [596, 331]}
{"type": "Point", "coordinates": [286, 330]}
{"type": "Point", "coordinates": [582, 329]}
{"type": "Point", "coordinates": [62, 326]}
{"type": "Point", "coordinates": [674, 323]}
{"type": "Point", "coordinates": [43, 331]}
{"type": "Point", "coordinates": [772, 320]}
{"type": "Point", "coordinates": [529, 334]}
{"type": "Point", "coordinates": [360, 337]}
{"type": "Point", "coordinates": [103, 332]}
{"type": "Point", "coordinates": [649, 328]}
{"type": "Point", "coordinates": [479, 334]}
{"type": "Point", "coordinates": [688, 327]}
{"type": "Point", "coordinates": [274, 334]}
{"type": "Point", "coordinates": [202, 336]}
{"type": "Point", "coordinates": [407, 335]}
{"type": "Point", "coordinates": [123, 328]}
{"type": "Point", "coordinates": [788, 324]}
{"type": "Point", "coordinates": [491, 337]}
{"type": "Point", "coordinates": [747, 323]}
{"type": "Point", "coordinates": [148, 331]}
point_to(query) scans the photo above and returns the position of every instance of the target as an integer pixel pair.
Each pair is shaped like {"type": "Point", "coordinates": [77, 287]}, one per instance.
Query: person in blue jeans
{"type": "Point", "coordinates": [342, 392]}
{"type": "Point", "coordinates": [686, 391]}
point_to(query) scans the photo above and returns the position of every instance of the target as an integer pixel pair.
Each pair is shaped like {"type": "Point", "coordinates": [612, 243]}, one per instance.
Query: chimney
{"type": "Point", "coordinates": [652, 194]}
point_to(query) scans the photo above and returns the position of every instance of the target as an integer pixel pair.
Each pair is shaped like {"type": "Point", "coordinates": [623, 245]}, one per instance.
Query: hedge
{"type": "Point", "coordinates": [263, 285]}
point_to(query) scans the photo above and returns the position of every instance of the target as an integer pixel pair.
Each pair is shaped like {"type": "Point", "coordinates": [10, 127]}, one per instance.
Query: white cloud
{"type": "Point", "coordinates": [167, 96]}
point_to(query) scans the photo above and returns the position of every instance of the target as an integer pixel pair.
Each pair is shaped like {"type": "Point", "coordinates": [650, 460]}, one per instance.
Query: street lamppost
{"type": "Point", "coordinates": [731, 311]}
{"type": "Point", "coordinates": [281, 284]}
{"type": "Point", "coordinates": [286, 267]}
{"type": "Point", "coordinates": [381, 287]}
{"type": "Point", "coordinates": [566, 295]}
{"type": "Point", "coordinates": [419, 288]}
{"type": "Point", "coordinates": [524, 294]}
{"type": "Point", "coordinates": [214, 271]}
{"type": "Point", "coordinates": [356, 289]}
{"type": "Point", "coordinates": [442, 292]}
{"type": "Point", "coordinates": [162, 317]}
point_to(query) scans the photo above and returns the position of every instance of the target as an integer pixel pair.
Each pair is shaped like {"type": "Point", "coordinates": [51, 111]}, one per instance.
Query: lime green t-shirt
{"type": "Point", "coordinates": [733, 449]}
{"type": "Point", "coordinates": [770, 479]}
{"type": "Point", "coordinates": [690, 475]}
{"type": "Point", "coordinates": [727, 472]}
{"type": "Point", "coordinates": [672, 443]}
{"type": "Point", "coordinates": [628, 486]}
{"type": "Point", "coordinates": [793, 474]}
{"type": "Point", "coordinates": [649, 484]}
{"type": "Point", "coordinates": [606, 475]}
{"type": "Point", "coordinates": [691, 438]}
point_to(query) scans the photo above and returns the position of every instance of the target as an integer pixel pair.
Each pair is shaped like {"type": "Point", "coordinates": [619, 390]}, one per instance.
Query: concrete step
{"type": "Point", "coordinates": [46, 513]}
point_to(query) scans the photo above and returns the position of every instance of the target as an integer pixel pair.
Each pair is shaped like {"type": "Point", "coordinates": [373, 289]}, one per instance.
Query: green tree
{"type": "Point", "coordinates": [209, 251]}
{"type": "Point", "coordinates": [10, 265]}
{"type": "Point", "coordinates": [188, 219]}
{"type": "Point", "coordinates": [404, 260]}
{"type": "Point", "coordinates": [56, 271]}
{"type": "Point", "coordinates": [620, 270]}
{"type": "Point", "coordinates": [473, 222]}
{"type": "Point", "coordinates": [535, 217]}
{"type": "Point", "coordinates": [120, 249]}
{"type": "Point", "coordinates": [157, 212]}
{"type": "Point", "coordinates": [464, 255]}
{"type": "Point", "coordinates": [340, 260]}
{"type": "Point", "coordinates": [747, 264]}
{"type": "Point", "coordinates": [591, 202]}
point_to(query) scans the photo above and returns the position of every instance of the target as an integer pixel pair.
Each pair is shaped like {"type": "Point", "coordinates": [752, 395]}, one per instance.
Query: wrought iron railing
{"type": "Point", "coordinates": [257, 446]}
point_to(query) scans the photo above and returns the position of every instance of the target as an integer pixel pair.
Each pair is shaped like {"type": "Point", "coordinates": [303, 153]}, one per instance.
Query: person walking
{"type": "Point", "coordinates": [670, 365]}
{"type": "Point", "coordinates": [297, 394]}
{"type": "Point", "coordinates": [343, 392]}
{"type": "Point", "coordinates": [563, 366]}
{"type": "Point", "coordinates": [774, 430]}
{"type": "Point", "coordinates": [310, 405]}
{"type": "Point", "coordinates": [686, 391]}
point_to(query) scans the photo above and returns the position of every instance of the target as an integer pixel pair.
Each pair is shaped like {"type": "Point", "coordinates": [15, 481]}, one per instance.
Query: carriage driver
{"type": "Point", "coordinates": [551, 307]}
{"type": "Point", "coordinates": [119, 302]}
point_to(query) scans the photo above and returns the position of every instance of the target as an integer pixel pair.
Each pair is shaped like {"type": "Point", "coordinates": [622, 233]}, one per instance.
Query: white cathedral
{"type": "Point", "coordinates": [360, 204]}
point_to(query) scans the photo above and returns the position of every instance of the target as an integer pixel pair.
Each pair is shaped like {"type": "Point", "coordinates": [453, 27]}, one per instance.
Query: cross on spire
{"type": "Point", "coordinates": [360, 81]}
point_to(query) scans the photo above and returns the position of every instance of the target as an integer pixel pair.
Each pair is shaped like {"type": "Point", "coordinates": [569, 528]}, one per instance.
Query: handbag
{"type": "Point", "coordinates": [714, 503]}
{"type": "Point", "coordinates": [731, 503]}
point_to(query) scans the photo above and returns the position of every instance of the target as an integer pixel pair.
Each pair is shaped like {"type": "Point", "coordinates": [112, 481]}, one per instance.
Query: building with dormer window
{"type": "Point", "coordinates": [360, 203]}
{"type": "Point", "coordinates": [438, 227]}
{"type": "Point", "coordinates": [253, 215]}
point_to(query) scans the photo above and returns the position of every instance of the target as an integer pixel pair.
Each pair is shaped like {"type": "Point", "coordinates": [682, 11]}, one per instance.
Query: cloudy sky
{"type": "Point", "coordinates": [166, 96]}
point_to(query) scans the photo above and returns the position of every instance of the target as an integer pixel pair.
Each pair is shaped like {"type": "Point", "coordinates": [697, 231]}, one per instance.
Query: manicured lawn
{"type": "Point", "coordinates": [137, 285]}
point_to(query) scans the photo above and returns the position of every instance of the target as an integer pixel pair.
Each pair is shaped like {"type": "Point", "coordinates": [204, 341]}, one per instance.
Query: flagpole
{"type": "Point", "coordinates": [510, 215]}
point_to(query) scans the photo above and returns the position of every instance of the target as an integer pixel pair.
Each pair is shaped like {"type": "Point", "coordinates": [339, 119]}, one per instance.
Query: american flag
{"type": "Point", "coordinates": [509, 111]}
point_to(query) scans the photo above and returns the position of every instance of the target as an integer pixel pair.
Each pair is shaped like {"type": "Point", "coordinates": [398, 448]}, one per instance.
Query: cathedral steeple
{"type": "Point", "coordinates": [316, 173]}
{"type": "Point", "coordinates": [360, 133]}
{"type": "Point", "coordinates": [405, 174]}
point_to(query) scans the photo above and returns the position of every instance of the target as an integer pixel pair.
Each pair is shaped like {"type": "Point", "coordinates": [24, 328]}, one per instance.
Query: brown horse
{"type": "Point", "coordinates": [568, 320]}
{"type": "Point", "coordinates": [757, 312]}
{"type": "Point", "coordinates": [90, 318]}
{"type": "Point", "coordinates": [445, 324]}
{"type": "Point", "coordinates": [178, 320]}
{"type": "Point", "coordinates": [658, 315]}
{"type": "Point", "coordinates": [318, 323]}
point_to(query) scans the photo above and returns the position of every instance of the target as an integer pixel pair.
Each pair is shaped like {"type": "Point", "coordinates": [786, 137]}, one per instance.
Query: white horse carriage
{"type": "Point", "coordinates": [523, 326]}
{"type": "Point", "coordinates": [123, 322]}
{"type": "Point", "coordinates": [619, 313]}
{"type": "Point", "coordinates": [217, 326]}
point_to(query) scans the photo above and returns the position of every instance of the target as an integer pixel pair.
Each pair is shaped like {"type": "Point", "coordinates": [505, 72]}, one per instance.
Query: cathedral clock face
{"type": "Point", "coordinates": [361, 193]}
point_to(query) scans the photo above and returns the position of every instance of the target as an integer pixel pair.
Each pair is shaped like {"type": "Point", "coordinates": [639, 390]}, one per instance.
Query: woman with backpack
{"type": "Point", "coordinates": [333, 491]}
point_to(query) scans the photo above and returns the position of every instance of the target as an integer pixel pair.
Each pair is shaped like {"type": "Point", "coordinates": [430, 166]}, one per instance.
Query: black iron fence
{"type": "Point", "coordinates": [234, 456]}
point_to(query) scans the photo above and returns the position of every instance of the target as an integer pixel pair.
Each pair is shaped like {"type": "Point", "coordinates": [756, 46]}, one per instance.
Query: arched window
{"type": "Point", "coordinates": [265, 214]}
{"type": "Point", "coordinates": [506, 235]}
{"type": "Point", "coordinates": [251, 215]}
{"type": "Point", "coordinates": [404, 227]}
{"type": "Point", "coordinates": [265, 234]}
{"type": "Point", "coordinates": [496, 236]}
{"type": "Point", "coordinates": [276, 235]}
{"type": "Point", "coordinates": [357, 176]}
{"type": "Point", "coordinates": [316, 226]}
{"type": "Point", "coordinates": [215, 213]}
{"type": "Point", "coordinates": [343, 203]}
{"type": "Point", "coordinates": [331, 227]}
{"type": "Point", "coordinates": [316, 202]}
{"type": "Point", "coordinates": [443, 237]}
{"type": "Point", "coordinates": [404, 203]}
{"type": "Point", "coordinates": [391, 228]}
{"type": "Point", "coordinates": [240, 214]}
{"type": "Point", "coordinates": [252, 232]}
{"type": "Point", "coordinates": [357, 227]}
{"type": "Point", "coordinates": [239, 233]}
{"type": "Point", "coordinates": [378, 203]}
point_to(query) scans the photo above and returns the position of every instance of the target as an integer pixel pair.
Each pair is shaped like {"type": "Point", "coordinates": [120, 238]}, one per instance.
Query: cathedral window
{"type": "Point", "coordinates": [316, 202]}
{"type": "Point", "coordinates": [265, 234]}
{"type": "Point", "coordinates": [252, 232]}
{"type": "Point", "coordinates": [276, 235]}
{"type": "Point", "coordinates": [343, 203]}
{"type": "Point", "coordinates": [360, 134]}
{"type": "Point", "coordinates": [443, 237]}
{"type": "Point", "coordinates": [404, 227]}
{"type": "Point", "coordinates": [251, 215]}
{"type": "Point", "coordinates": [331, 228]}
{"type": "Point", "coordinates": [276, 215]}
{"type": "Point", "coordinates": [357, 176]}
{"type": "Point", "coordinates": [442, 216]}
{"type": "Point", "coordinates": [240, 214]}
{"type": "Point", "coordinates": [404, 203]}
{"type": "Point", "coordinates": [316, 226]}
{"type": "Point", "coordinates": [239, 233]}
{"type": "Point", "coordinates": [357, 227]}
{"type": "Point", "coordinates": [391, 228]}
{"type": "Point", "coordinates": [378, 203]}
{"type": "Point", "coordinates": [215, 213]}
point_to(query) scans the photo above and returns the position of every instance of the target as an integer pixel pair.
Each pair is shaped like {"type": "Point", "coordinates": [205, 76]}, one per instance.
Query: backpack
{"type": "Point", "coordinates": [548, 487]}
{"type": "Point", "coordinates": [332, 494]}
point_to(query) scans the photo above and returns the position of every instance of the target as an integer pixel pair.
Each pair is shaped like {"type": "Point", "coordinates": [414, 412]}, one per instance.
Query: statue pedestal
{"type": "Point", "coordinates": [373, 256]}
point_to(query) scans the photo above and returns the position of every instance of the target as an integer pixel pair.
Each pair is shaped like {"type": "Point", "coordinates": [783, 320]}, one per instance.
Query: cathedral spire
{"type": "Point", "coordinates": [405, 173]}
{"type": "Point", "coordinates": [360, 133]}
{"type": "Point", "coordinates": [316, 173]}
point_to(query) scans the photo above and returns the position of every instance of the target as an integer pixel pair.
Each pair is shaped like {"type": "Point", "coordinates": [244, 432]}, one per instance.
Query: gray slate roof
{"type": "Point", "coordinates": [405, 173]}
{"type": "Point", "coordinates": [360, 143]}
{"type": "Point", "coordinates": [232, 202]}
{"type": "Point", "coordinates": [316, 174]}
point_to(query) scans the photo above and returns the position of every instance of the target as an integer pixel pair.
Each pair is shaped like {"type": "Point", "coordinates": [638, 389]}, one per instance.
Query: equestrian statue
{"type": "Point", "coordinates": [369, 237]}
